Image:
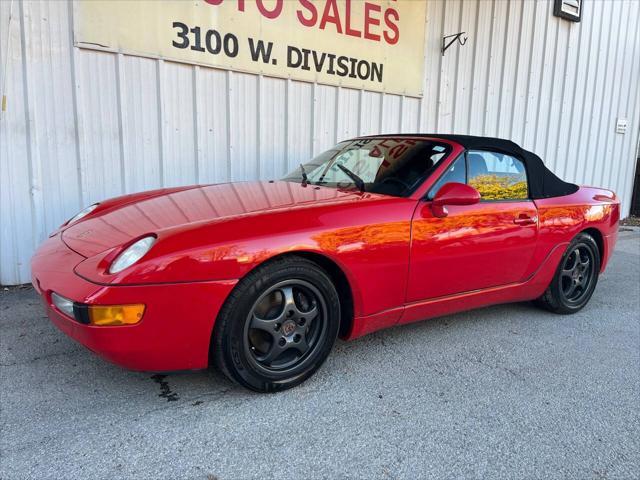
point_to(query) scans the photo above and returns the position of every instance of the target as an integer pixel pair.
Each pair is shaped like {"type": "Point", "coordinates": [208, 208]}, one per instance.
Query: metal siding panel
{"type": "Point", "coordinates": [496, 62]}
{"type": "Point", "coordinates": [522, 72]}
{"type": "Point", "coordinates": [627, 165]}
{"type": "Point", "coordinates": [272, 143]}
{"type": "Point", "coordinates": [543, 118]}
{"type": "Point", "coordinates": [348, 106]}
{"type": "Point", "coordinates": [370, 113]}
{"type": "Point", "coordinates": [599, 128]}
{"type": "Point", "coordinates": [98, 129]}
{"type": "Point", "coordinates": [480, 42]}
{"type": "Point", "coordinates": [300, 98]}
{"type": "Point", "coordinates": [140, 129]}
{"type": "Point", "coordinates": [325, 118]}
{"type": "Point", "coordinates": [585, 146]}
{"type": "Point", "coordinates": [510, 68]}
{"type": "Point", "coordinates": [567, 150]}
{"type": "Point", "coordinates": [54, 177]}
{"type": "Point", "coordinates": [243, 125]}
{"type": "Point", "coordinates": [213, 148]}
{"type": "Point", "coordinates": [539, 44]}
{"type": "Point", "coordinates": [464, 75]}
{"type": "Point", "coordinates": [598, 93]}
{"type": "Point", "coordinates": [449, 69]}
{"type": "Point", "coordinates": [178, 129]}
{"type": "Point", "coordinates": [608, 119]}
{"type": "Point", "coordinates": [561, 49]}
{"type": "Point", "coordinates": [410, 121]}
{"type": "Point", "coordinates": [433, 59]}
{"type": "Point", "coordinates": [390, 115]}
{"type": "Point", "coordinates": [16, 214]}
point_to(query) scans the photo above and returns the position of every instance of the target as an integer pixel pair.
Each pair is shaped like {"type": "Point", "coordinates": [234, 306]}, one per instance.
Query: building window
{"type": "Point", "coordinates": [568, 9]}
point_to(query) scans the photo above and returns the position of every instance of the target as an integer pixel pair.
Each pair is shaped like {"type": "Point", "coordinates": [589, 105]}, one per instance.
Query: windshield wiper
{"type": "Point", "coordinates": [305, 179]}
{"type": "Point", "coordinates": [356, 179]}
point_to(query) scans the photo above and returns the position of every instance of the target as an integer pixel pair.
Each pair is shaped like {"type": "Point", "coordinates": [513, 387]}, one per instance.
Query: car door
{"type": "Point", "coordinates": [476, 246]}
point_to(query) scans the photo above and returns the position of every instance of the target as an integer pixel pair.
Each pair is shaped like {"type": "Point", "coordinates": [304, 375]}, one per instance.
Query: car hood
{"type": "Point", "coordinates": [125, 221]}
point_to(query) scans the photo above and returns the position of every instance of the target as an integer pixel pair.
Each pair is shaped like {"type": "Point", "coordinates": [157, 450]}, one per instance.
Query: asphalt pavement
{"type": "Point", "coordinates": [504, 392]}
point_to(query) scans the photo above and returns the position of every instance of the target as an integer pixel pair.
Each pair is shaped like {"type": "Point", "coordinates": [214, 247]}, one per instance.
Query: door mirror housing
{"type": "Point", "coordinates": [453, 193]}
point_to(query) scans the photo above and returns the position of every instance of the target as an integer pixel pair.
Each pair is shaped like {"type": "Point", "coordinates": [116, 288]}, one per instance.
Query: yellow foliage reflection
{"type": "Point", "coordinates": [500, 187]}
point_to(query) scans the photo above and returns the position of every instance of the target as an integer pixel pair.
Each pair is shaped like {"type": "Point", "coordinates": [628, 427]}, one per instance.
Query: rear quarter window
{"type": "Point", "coordinates": [497, 176]}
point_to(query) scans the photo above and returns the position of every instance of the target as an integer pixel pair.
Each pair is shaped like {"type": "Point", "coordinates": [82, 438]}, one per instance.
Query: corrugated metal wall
{"type": "Point", "coordinates": [82, 125]}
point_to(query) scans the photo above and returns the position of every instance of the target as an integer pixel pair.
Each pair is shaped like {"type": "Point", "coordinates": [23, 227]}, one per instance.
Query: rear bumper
{"type": "Point", "coordinates": [176, 328]}
{"type": "Point", "coordinates": [609, 245]}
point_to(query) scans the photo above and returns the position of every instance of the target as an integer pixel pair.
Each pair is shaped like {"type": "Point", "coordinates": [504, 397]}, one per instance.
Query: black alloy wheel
{"type": "Point", "coordinates": [577, 274]}
{"type": "Point", "coordinates": [576, 277]}
{"type": "Point", "coordinates": [278, 325]}
{"type": "Point", "coordinates": [285, 325]}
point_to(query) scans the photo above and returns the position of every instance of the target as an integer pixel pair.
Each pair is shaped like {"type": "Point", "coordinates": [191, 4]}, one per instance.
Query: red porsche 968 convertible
{"type": "Point", "coordinates": [259, 278]}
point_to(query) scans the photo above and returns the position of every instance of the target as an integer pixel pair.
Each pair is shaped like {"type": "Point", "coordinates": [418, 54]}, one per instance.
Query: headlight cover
{"type": "Point", "coordinates": [63, 304]}
{"type": "Point", "coordinates": [132, 254]}
{"type": "Point", "coordinates": [83, 213]}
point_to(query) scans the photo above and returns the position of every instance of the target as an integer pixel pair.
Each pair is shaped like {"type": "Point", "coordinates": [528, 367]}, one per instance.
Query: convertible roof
{"type": "Point", "coordinates": [543, 183]}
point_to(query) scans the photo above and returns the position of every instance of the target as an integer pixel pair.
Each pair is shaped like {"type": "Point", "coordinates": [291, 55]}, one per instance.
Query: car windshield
{"type": "Point", "coordinates": [390, 166]}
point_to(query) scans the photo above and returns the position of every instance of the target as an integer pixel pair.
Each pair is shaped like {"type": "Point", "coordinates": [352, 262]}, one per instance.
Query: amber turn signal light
{"type": "Point", "coordinates": [115, 314]}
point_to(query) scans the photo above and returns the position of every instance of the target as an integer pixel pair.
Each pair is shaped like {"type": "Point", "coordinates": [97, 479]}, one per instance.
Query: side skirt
{"type": "Point", "coordinates": [530, 289]}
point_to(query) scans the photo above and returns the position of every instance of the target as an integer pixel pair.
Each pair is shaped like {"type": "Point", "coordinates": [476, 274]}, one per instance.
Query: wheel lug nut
{"type": "Point", "coordinates": [282, 342]}
{"type": "Point", "coordinates": [302, 321]}
{"type": "Point", "coordinates": [296, 338]}
{"type": "Point", "coordinates": [277, 327]}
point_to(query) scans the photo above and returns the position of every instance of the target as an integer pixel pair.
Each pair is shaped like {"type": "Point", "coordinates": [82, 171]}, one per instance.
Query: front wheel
{"type": "Point", "coordinates": [576, 277]}
{"type": "Point", "coordinates": [277, 326]}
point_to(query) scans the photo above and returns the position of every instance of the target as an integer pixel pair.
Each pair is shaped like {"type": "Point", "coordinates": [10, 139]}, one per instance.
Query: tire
{"type": "Point", "coordinates": [278, 325]}
{"type": "Point", "coordinates": [575, 279]}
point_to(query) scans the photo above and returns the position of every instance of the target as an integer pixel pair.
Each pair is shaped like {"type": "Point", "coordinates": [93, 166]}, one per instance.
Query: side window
{"type": "Point", "coordinates": [497, 176]}
{"type": "Point", "coordinates": [455, 173]}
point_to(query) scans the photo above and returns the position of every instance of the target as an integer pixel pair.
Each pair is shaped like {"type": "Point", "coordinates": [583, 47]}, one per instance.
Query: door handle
{"type": "Point", "coordinates": [524, 219]}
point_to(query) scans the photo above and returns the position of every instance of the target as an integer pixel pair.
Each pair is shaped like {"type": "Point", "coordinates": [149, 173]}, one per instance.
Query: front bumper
{"type": "Point", "coordinates": [174, 333]}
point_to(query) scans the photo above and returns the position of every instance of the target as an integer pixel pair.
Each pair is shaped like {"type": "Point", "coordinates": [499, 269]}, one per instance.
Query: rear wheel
{"type": "Point", "coordinates": [576, 277]}
{"type": "Point", "coordinates": [278, 325]}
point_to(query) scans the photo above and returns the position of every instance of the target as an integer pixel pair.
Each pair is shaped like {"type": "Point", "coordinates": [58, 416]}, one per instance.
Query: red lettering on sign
{"type": "Point", "coordinates": [348, 30]}
{"type": "Point", "coordinates": [329, 17]}
{"type": "Point", "coordinates": [218, 2]}
{"type": "Point", "coordinates": [392, 39]}
{"type": "Point", "coordinates": [277, 10]}
{"type": "Point", "coordinates": [312, 13]}
{"type": "Point", "coordinates": [369, 20]}
{"type": "Point", "coordinates": [307, 22]}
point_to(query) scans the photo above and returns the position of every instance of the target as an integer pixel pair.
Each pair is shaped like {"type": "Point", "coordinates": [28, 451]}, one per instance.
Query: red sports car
{"type": "Point", "coordinates": [260, 278]}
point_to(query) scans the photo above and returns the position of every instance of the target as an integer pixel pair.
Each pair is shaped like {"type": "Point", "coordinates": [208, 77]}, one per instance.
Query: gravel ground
{"type": "Point", "coordinates": [502, 392]}
{"type": "Point", "coordinates": [631, 221]}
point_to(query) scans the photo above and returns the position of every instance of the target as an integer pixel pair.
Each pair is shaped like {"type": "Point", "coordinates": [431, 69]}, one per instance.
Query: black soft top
{"type": "Point", "coordinates": [543, 183]}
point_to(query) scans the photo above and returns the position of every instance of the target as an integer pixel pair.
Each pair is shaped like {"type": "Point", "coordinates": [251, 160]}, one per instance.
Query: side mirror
{"type": "Point", "coordinates": [453, 193]}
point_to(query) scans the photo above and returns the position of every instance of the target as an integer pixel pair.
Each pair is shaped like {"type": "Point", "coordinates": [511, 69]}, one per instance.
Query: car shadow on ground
{"type": "Point", "coordinates": [34, 346]}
